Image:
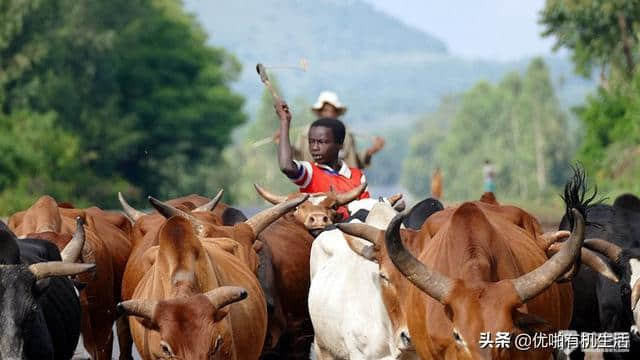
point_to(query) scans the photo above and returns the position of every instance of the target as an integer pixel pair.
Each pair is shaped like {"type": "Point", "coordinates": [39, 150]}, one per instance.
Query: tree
{"type": "Point", "coordinates": [517, 124]}
{"type": "Point", "coordinates": [604, 33]}
{"type": "Point", "coordinates": [139, 90]}
{"type": "Point", "coordinates": [175, 93]}
{"type": "Point", "coordinates": [38, 157]}
{"type": "Point", "coordinates": [428, 135]}
{"type": "Point", "coordinates": [599, 32]}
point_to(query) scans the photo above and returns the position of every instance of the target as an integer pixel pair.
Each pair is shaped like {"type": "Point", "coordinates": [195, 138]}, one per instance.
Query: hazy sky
{"type": "Point", "coordinates": [488, 29]}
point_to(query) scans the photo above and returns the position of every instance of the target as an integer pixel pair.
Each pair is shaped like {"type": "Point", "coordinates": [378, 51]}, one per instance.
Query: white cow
{"type": "Point", "coordinates": [321, 254]}
{"type": "Point", "coordinates": [345, 303]}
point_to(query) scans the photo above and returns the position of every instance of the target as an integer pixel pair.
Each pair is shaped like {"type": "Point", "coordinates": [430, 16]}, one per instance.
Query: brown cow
{"type": "Point", "coordinates": [181, 300]}
{"type": "Point", "coordinates": [207, 225]}
{"type": "Point", "coordinates": [395, 287]}
{"type": "Point", "coordinates": [235, 252]}
{"type": "Point", "coordinates": [107, 245]}
{"type": "Point", "coordinates": [480, 272]}
{"type": "Point", "coordinates": [144, 233]}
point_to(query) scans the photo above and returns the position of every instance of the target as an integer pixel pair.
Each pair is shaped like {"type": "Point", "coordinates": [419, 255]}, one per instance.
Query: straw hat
{"type": "Point", "coordinates": [329, 97]}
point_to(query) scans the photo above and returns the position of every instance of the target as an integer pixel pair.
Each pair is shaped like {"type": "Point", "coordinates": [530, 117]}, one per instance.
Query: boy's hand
{"type": "Point", "coordinates": [282, 109]}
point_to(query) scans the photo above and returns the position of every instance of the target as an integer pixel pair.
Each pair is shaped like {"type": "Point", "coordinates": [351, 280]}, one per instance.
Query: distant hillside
{"type": "Point", "coordinates": [383, 69]}
{"type": "Point", "coordinates": [321, 30]}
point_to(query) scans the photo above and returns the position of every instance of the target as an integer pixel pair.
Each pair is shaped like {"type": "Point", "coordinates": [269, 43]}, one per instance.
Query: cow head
{"type": "Point", "coordinates": [189, 327]}
{"type": "Point", "coordinates": [392, 283]}
{"type": "Point", "coordinates": [20, 288]}
{"type": "Point", "coordinates": [320, 210]}
{"type": "Point", "coordinates": [477, 305]}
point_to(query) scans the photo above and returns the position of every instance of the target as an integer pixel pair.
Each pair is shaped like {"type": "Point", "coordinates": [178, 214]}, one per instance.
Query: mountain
{"type": "Point", "coordinates": [384, 70]}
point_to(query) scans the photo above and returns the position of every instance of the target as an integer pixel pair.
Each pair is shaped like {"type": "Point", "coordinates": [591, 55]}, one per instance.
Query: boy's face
{"type": "Point", "coordinates": [322, 145]}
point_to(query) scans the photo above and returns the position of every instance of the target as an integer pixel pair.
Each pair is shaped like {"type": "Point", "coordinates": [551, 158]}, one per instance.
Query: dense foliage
{"type": "Point", "coordinates": [605, 35]}
{"type": "Point", "coordinates": [95, 100]}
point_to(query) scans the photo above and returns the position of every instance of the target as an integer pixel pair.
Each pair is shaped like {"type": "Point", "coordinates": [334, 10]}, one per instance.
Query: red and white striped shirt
{"type": "Point", "coordinates": [317, 178]}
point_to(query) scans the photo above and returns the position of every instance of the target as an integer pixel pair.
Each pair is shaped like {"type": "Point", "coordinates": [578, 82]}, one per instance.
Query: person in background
{"type": "Point", "coordinates": [489, 174]}
{"type": "Point", "coordinates": [329, 106]}
{"type": "Point", "coordinates": [326, 171]}
{"type": "Point", "coordinates": [436, 184]}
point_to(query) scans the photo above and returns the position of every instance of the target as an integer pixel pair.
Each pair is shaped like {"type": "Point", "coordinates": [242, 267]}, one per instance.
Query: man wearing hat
{"type": "Point", "coordinates": [329, 106]}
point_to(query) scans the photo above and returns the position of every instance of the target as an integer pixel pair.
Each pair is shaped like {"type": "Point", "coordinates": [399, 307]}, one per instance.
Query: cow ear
{"type": "Point", "coordinates": [40, 286]}
{"type": "Point", "coordinates": [220, 314]}
{"type": "Point", "coordinates": [530, 323]}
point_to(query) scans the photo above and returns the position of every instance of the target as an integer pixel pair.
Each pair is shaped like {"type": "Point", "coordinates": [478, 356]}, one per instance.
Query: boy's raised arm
{"type": "Point", "coordinates": [285, 159]}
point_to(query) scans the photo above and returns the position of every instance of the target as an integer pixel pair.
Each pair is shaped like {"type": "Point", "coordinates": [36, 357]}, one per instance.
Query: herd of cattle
{"type": "Point", "coordinates": [196, 279]}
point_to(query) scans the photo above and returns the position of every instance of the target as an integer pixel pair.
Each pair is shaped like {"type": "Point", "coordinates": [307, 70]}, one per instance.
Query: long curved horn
{"type": "Point", "coordinates": [168, 211]}
{"type": "Point", "coordinates": [531, 284]}
{"type": "Point", "coordinates": [140, 308]}
{"type": "Point", "coordinates": [364, 231]}
{"type": "Point", "coordinates": [595, 262]}
{"type": "Point", "coordinates": [270, 197]}
{"type": "Point", "coordinates": [604, 247]}
{"type": "Point", "coordinates": [589, 258]}
{"type": "Point", "coordinates": [432, 282]}
{"type": "Point", "coordinates": [71, 252]}
{"type": "Point", "coordinates": [58, 268]}
{"type": "Point", "coordinates": [366, 251]}
{"type": "Point", "coordinates": [349, 196]}
{"type": "Point", "coordinates": [132, 213]}
{"type": "Point", "coordinates": [635, 295]}
{"type": "Point", "coordinates": [225, 295]}
{"type": "Point", "coordinates": [211, 204]}
{"type": "Point", "coordinates": [261, 220]}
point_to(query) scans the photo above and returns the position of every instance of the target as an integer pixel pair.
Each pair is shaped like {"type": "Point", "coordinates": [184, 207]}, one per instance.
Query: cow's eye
{"type": "Point", "coordinates": [457, 337]}
{"type": "Point", "coordinates": [166, 349]}
{"type": "Point", "coordinates": [384, 277]}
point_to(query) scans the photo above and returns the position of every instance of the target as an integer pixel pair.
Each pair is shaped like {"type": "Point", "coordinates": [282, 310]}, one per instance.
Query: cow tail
{"type": "Point", "coordinates": [576, 196]}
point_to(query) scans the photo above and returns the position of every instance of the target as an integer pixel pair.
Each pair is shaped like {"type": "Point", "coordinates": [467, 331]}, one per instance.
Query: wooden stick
{"type": "Point", "coordinates": [265, 79]}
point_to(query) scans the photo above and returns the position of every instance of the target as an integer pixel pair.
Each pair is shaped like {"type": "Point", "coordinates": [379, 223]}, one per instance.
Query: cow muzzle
{"type": "Point", "coordinates": [317, 221]}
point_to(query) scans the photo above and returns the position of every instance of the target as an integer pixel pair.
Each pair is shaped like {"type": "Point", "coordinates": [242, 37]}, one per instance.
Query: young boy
{"type": "Point", "coordinates": [327, 171]}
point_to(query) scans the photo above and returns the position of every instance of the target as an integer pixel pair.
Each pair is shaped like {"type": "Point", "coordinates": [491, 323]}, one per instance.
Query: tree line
{"type": "Point", "coordinates": [603, 37]}
{"type": "Point", "coordinates": [519, 125]}
{"type": "Point", "coordinates": [104, 96]}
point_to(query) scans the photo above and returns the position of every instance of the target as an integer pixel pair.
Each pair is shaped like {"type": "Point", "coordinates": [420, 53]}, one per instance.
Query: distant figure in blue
{"type": "Point", "coordinates": [489, 174]}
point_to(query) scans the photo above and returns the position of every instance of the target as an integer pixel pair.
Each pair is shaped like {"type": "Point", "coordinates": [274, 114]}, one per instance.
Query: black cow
{"type": "Point", "coordinates": [601, 305]}
{"type": "Point", "coordinates": [39, 308]}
